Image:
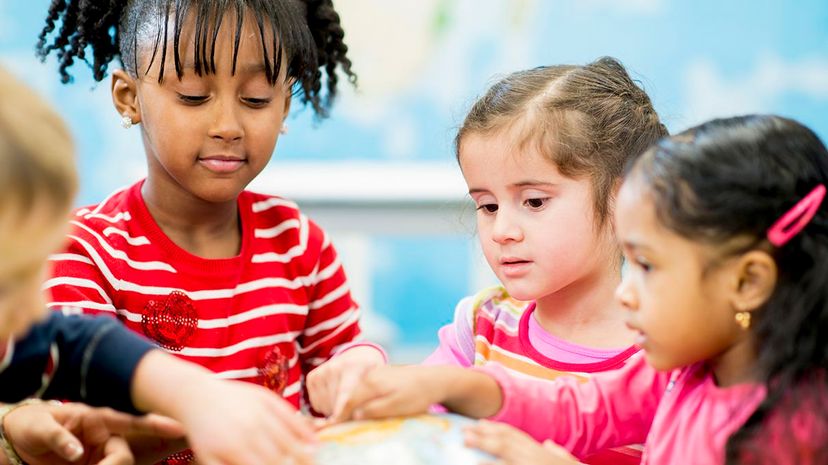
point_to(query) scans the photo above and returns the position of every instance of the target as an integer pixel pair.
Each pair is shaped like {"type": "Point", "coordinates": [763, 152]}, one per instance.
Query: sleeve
{"type": "Point", "coordinates": [78, 358]}
{"type": "Point", "coordinates": [612, 409]}
{"type": "Point", "coordinates": [78, 280]}
{"type": "Point", "coordinates": [333, 316]}
{"type": "Point", "coordinates": [456, 338]}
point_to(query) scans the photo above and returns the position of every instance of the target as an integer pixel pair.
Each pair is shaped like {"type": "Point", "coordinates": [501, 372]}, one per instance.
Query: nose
{"type": "Point", "coordinates": [506, 227]}
{"type": "Point", "coordinates": [226, 121]}
{"type": "Point", "coordinates": [626, 295]}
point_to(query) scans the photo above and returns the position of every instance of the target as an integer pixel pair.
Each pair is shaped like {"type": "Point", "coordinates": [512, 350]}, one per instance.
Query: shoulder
{"type": "Point", "coordinates": [280, 225]}
{"type": "Point", "coordinates": [116, 207]}
{"type": "Point", "coordinates": [488, 307]}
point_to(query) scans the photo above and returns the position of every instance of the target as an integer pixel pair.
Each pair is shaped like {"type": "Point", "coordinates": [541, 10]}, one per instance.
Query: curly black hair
{"type": "Point", "coordinates": [308, 32]}
{"type": "Point", "coordinates": [733, 178]}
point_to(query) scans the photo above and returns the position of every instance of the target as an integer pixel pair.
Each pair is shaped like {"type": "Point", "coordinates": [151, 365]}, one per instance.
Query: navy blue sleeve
{"type": "Point", "coordinates": [78, 358]}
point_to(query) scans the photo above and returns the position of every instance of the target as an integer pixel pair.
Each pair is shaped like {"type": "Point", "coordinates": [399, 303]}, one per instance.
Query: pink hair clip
{"type": "Point", "coordinates": [795, 219]}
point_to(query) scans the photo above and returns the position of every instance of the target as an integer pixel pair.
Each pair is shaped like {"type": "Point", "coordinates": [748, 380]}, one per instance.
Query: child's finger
{"type": "Point", "coordinates": [296, 424]}
{"type": "Point", "coordinates": [58, 438]}
{"type": "Point", "coordinates": [386, 406]}
{"type": "Point", "coordinates": [116, 452]}
{"type": "Point", "coordinates": [557, 450]}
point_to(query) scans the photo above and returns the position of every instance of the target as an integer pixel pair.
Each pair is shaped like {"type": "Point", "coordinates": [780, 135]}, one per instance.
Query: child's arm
{"type": "Point", "coordinates": [612, 409]}
{"type": "Point", "coordinates": [102, 363]}
{"type": "Point", "coordinates": [398, 391]}
{"type": "Point", "coordinates": [228, 423]}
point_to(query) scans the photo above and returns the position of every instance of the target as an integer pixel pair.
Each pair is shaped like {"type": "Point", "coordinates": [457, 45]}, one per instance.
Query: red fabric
{"type": "Point", "coordinates": [268, 316]}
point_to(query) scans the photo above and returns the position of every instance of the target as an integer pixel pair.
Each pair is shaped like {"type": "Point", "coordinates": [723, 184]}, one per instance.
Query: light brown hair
{"type": "Point", "coordinates": [36, 153]}
{"type": "Point", "coordinates": [589, 120]}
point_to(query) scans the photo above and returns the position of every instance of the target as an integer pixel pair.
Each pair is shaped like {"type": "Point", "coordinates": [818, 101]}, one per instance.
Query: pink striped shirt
{"type": "Point", "coordinates": [491, 328]}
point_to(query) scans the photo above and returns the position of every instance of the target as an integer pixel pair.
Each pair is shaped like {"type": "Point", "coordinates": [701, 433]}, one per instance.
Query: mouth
{"type": "Point", "coordinates": [222, 163]}
{"type": "Point", "coordinates": [640, 338]}
{"type": "Point", "coordinates": [514, 266]}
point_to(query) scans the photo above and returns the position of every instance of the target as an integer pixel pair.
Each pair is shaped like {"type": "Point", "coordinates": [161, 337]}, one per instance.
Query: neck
{"type": "Point", "coordinates": [737, 364]}
{"type": "Point", "coordinates": [586, 312]}
{"type": "Point", "coordinates": [206, 229]}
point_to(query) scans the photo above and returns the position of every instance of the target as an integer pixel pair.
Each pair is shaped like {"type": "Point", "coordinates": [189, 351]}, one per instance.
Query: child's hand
{"type": "Point", "coordinates": [514, 447]}
{"type": "Point", "coordinates": [392, 391]}
{"type": "Point", "coordinates": [330, 385]}
{"type": "Point", "coordinates": [235, 423]}
{"type": "Point", "coordinates": [62, 434]}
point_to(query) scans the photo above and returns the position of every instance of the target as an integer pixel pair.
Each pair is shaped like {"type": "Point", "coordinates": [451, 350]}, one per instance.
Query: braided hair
{"type": "Point", "coordinates": [307, 32]}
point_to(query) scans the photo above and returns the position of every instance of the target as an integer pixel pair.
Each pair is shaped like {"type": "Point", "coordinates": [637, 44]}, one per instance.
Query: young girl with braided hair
{"type": "Point", "coordinates": [725, 229]}
{"type": "Point", "coordinates": [239, 282]}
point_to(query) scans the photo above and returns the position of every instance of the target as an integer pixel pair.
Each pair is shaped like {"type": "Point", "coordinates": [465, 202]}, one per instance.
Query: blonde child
{"type": "Point", "coordinates": [97, 361]}
{"type": "Point", "coordinates": [542, 153]}
{"type": "Point", "coordinates": [239, 282]}
{"type": "Point", "coordinates": [725, 228]}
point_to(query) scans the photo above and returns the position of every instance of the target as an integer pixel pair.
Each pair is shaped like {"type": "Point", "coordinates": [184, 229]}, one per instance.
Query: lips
{"type": "Point", "coordinates": [514, 267]}
{"type": "Point", "coordinates": [222, 163]}
{"type": "Point", "coordinates": [640, 338]}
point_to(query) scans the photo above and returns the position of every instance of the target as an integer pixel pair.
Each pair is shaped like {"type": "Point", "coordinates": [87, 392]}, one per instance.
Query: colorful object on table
{"type": "Point", "coordinates": [420, 440]}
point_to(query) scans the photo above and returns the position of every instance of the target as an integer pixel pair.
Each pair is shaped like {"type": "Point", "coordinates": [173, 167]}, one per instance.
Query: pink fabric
{"type": "Point", "coordinates": [682, 416]}
{"type": "Point", "coordinates": [448, 352]}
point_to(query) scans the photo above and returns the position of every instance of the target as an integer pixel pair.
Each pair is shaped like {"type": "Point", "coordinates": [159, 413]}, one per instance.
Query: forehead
{"type": "Point", "coordinates": [501, 152]}
{"type": "Point", "coordinates": [208, 44]}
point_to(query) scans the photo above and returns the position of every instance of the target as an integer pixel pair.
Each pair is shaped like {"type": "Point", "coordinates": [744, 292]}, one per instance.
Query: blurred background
{"type": "Point", "coordinates": [380, 175]}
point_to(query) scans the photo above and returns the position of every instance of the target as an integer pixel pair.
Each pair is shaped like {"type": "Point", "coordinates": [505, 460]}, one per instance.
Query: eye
{"type": "Point", "coordinates": [643, 264]}
{"type": "Point", "coordinates": [536, 203]}
{"type": "Point", "coordinates": [488, 207]}
{"type": "Point", "coordinates": [257, 102]}
{"type": "Point", "coordinates": [192, 99]}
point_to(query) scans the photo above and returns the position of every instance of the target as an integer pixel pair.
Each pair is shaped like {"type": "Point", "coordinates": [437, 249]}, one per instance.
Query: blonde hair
{"type": "Point", "coordinates": [36, 152]}
{"type": "Point", "coordinates": [588, 120]}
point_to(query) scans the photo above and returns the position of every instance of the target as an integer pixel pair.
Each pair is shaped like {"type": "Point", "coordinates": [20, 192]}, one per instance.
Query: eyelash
{"type": "Point", "coordinates": [542, 201]}
{"type": "Point", "coordinates": [199, 99]}
{"type": "Point", "coordinates": [643, 264]}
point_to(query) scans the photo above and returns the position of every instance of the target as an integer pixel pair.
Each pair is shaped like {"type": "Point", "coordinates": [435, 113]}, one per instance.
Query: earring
{"type": "Point", "coordinates": [743, 319]}
{"type": "Point", "coordinates": [126, 121]}
{"type": "Point", "coordinates": [283, 129]}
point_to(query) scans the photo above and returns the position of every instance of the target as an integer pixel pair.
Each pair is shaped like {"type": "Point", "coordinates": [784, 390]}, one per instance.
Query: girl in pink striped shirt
{"type": "Point", "coordinates": [542, 153]}
{"type": "Point", "coordinates": [725, 228]}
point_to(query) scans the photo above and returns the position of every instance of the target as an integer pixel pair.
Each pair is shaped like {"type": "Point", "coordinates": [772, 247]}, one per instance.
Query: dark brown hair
{"type": "Point", "coordinates": [589, 120]}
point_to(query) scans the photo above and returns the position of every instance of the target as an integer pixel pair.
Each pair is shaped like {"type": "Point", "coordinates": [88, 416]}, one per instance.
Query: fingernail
{"type": "Point", "coordinates": [73, 451]}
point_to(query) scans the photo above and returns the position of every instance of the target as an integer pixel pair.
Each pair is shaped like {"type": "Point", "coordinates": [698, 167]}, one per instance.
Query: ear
{"type": "Point", "coordinates": [755, 279]}
{"type": "Point", "coordinates": [125, 95]}
{"type": "Point", "coordinates": [288, 99]}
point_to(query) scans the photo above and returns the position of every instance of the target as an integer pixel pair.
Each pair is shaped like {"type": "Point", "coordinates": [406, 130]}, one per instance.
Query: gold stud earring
{"type": "Point", "coordinates": [743, 319]}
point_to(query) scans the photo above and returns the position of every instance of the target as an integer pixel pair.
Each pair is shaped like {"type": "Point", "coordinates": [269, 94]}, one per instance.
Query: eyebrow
{"type": "Point", "coordinates": [526, 183]}
{"type": "Point", "coordinates": [632, 245]}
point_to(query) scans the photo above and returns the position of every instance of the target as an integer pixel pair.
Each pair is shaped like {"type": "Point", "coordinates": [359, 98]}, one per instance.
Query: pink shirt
{"type": "Point", "coordinates": [681, 416]}
{"type": "Point", "coordinates": [491, 328]}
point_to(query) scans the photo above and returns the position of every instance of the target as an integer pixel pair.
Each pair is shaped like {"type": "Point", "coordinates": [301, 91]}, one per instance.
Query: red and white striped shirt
{"type": "Point", "coordinates": [268, 316]}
